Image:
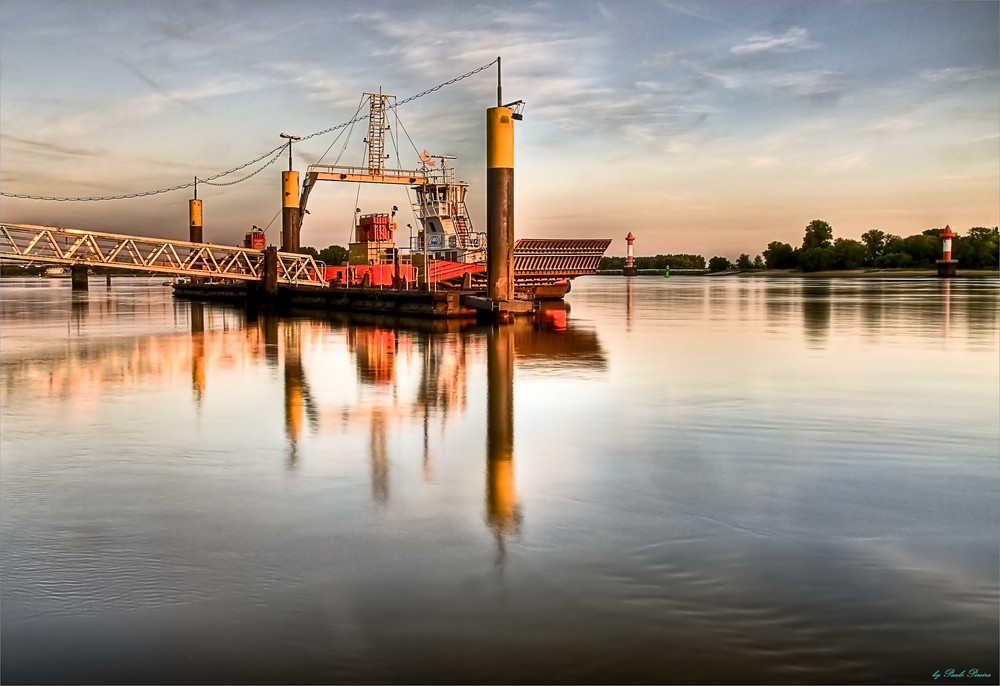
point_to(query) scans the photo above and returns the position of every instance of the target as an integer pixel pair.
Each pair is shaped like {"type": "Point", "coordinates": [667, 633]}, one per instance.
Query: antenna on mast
{"type": "Point", "coordinates": [499, 87]}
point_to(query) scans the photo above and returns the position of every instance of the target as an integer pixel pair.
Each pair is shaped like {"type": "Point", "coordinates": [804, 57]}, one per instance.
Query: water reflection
{"type": "Point", "coordinates": [502, 513]}
{"type": "Point", "coordinates": [198, 352]}
{"type": "Point", "coordinates": [629, 288]}
{"type": "Point", "coordinates": [757, 515]}
{"type": "Point", "coordinates": [816, 312]}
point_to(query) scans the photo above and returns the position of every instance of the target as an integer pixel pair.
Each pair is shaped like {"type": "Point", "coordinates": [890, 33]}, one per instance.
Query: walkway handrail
{"type": "Point", "coordinates": [54, 245]}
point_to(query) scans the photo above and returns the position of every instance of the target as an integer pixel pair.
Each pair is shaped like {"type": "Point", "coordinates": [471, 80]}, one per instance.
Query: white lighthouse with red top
{"type": "Point", "coordinates": [629, 269]}
{"type": "Point", "coordinates": [947, 266]}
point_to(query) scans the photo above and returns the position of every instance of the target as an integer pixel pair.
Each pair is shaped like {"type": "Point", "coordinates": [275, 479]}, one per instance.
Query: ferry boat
{"type": "Point", "coordinates": [446, 250]}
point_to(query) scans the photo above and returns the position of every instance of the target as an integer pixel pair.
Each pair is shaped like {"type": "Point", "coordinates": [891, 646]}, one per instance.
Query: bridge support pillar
{"type": "Point", "coordinates": [78, 276]}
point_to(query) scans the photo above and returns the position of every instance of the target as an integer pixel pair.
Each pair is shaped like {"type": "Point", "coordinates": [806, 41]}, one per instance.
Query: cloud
{"type": "Point", "coordinates": [816, 82]}
{"type": "Point", "coordinates": [805, 83]}
{"type": "Point", "coordinates": [55, 149]}
{"type": "Point", "coordinates": [793, 40]}
{"type": "Point", "coordinates": [959, 74]}
{"type": "Point", "coordinates": [688, 10]}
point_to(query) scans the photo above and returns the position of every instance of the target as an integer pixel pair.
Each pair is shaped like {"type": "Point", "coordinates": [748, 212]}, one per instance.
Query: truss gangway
{"type": "Point", "coordinates": [52, 245]}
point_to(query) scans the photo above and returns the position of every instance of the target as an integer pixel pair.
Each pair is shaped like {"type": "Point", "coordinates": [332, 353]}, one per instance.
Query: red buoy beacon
{"type": "Point", "coordinates": [629, 269]}
{"type": "Point", "coordinates": [946, 266]}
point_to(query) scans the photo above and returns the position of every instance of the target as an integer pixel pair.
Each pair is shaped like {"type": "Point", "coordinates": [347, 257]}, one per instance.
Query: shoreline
{"type": "Point", "coordinates": [867, 274]}
{"type": "Point", "coordinates": [828, 274]}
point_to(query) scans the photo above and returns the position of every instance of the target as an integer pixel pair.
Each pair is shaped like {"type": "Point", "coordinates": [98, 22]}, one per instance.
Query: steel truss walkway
{"type": "Point", "coordinates": [51, 245]}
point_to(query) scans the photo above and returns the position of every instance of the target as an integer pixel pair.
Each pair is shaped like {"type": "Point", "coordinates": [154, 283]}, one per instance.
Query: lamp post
{"type": "Point", "coordinates": [290, 203]}
{"type": "Point", "coordinates": [290, 138]}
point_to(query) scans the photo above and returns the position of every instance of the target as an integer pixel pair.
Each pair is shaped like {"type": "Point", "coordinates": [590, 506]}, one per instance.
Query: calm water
{"type": "Point", "coordinates": [697, 480]}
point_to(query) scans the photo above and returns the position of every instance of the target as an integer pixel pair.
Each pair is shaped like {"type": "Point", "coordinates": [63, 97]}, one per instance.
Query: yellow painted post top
{"type": "Point", "coordinates": [194, 212]}
{"type": "Point", "coordinates": [290, 189]}
{"type": "Point", "coordinates": [499, 138]}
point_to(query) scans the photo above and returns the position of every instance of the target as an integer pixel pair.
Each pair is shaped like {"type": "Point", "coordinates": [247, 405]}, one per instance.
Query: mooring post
{"type": "Point", "coordinates": [78, 277]}
{"type": "Point", "coordinates": [290, 211]}
{"type": "Point", "coordinates": [196, 233]}
{"type": "Point", "coordinates": [500, 203]}
{"type": "Point", "coordinates": [290, 224]}
{"type": "Point", "coordinates": [270, 278]}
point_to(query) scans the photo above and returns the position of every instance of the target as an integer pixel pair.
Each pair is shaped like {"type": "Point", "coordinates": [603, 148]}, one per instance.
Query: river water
{"type": "Point", "coordinates": [683, 480]}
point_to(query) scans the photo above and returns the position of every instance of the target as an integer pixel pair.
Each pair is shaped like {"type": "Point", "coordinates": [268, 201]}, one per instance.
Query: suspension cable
{"type": "Point", "coordinates": [251, 174]}
{"type": "Point", "coordinates": [274, 151]}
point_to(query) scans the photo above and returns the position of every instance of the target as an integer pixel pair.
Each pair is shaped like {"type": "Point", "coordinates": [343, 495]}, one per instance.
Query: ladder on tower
{"type": "Point", "coordinates": [376, 133]}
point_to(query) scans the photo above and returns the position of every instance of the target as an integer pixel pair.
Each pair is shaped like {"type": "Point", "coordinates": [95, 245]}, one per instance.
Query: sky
{"type": "Point", "coordinates": [705, 126]}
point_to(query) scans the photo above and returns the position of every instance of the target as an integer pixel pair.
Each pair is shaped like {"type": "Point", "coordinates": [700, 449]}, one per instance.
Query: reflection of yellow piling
{"type": "Point", "coordinates": [294, 384]}
{"type": "Point", "coordinates": [501, 493]}
{"type": "Point", "coordinates": [198, 350]}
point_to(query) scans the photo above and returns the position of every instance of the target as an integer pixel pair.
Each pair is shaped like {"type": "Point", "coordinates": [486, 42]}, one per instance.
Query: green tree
{"type": "Point", "coordinates": [893, 243]}
{"type": "Point", "coordinates": [923, 249]}
{"type": "Point", "coordinates": [851, 254]}
{"type": "Point", "coordinates": [334, 255]}
{"type": "Point", "coordinates": [719, 264]}
{"type": "Point", "coordinates": [780, 256]}
{"type": "Point", "coordinates": [818, 235]}
{"type": "Point", "coordinates": [818, 259]}
{"type": "Point", "coordinates": [744, 262]}
{"type": "Point", "coordinates": [758, 262]}
{"type": "Point", "coordinates": [979, 249]}
{"type": "Point", "coordinates": [874, 240]}
{"type": "Point", "coordinates": [894, 260]}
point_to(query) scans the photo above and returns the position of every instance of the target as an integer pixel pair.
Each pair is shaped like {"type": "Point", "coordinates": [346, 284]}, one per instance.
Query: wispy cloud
{"type": "Point", "coordinates": [801, 83]}
{"type": "Point", "coordinates": [792, 40]}
{"type": "Point", "coordinates": [816, 82]}
{"type": "Point", "coordinates": [690, 10]}
{"type": "Point", "coordinates": [959, 74]}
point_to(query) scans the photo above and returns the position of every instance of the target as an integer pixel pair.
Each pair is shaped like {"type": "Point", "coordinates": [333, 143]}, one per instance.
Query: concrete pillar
{"type": "Point", "coordinates": [290, 211]}
{"type": "Point", "coordinates": [500, 203]}
{"type": "Point", "coordinates": [78, 277]}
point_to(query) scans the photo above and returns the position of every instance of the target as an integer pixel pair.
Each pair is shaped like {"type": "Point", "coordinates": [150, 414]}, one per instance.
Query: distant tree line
{"type": "Point", "coordinates": [978, 249]}
{"type": "Point", "coordinates": [659, 262]}
{"type": "Point", "coordinates": [332, 254]}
